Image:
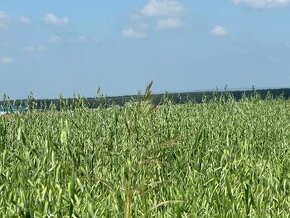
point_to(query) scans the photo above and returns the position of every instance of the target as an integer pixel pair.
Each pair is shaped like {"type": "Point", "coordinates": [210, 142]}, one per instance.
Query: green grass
{"type": "Point", "coordinates": [218, 159]}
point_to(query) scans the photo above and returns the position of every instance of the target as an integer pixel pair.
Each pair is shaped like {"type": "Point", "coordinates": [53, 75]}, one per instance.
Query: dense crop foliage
{"type": "Point", "coordinates": [217, 159]}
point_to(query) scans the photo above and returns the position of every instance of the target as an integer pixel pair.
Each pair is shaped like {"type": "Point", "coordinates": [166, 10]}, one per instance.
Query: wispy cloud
{"type": "Point", "coordinates": [263, 3]}
{"type": "Point", "coordinates": [78, 39]}
{"type": "Point", "coordinates": [6, 60]}
{"type": "Point", "coordinates": [158, 8]}
{"type": "Point", "coordinates": [4, 19]}
{"type": "Point", "coordinates": [25, 20]}
{"type": "Point", "coordinates": [169, 23]}
{"type": "Point", "coordinates": [55, 39]}
{"type": "Point", "coordinates": [219, 31]}
{"type": "Point", "coordinates": [35, 48]}
{"type": "Point", "coordinates": [130, 33]}
{"type": "Point", "coordinates": [55, 20]}
{"type": "Point", "coordinates": [142, 26]}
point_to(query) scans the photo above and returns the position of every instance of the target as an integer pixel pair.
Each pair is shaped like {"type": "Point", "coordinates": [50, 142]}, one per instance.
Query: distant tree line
{"type": "Point", "coordinates": [156, 99]}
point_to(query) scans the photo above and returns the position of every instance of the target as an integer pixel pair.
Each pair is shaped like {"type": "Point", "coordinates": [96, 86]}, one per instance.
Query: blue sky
{"type": "Point", "coordinates": [50, 47]}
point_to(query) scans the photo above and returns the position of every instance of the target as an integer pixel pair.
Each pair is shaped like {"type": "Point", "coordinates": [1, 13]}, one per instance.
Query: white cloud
{"type": "Point", "coordinates": [130, 33]}
{"type": "Point", "coordinates": [263, 3]}
{"type": "Point", "coordinates": [55, 39]}
{"type": "Point", "coordinates": [78, 39]}
{"type": "Point", "coordinates": [6, 60]}
{"type": "Point", "coordinates": [219, 31]}
{"type": "Point", "coordinates": [166, 14]}
{"type": "Point", "coordinates": [159, 8]}
{"type": "Point", "coordinates": [25, 20]}
{"type": "Point", "coordinates": [54, 20]}
{"type": "Point", "coordinates": [35, 48]}
{"type": "Point", "coordinates": [169, 23]}
{"type": "Point", "coordinates": [4, 19]}
{"type": "Point", "coordinates": [142, 26]}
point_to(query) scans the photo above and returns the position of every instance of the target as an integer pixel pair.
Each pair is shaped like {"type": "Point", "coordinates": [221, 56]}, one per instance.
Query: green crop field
{"type": "Point", "coordinates": [222, 158]}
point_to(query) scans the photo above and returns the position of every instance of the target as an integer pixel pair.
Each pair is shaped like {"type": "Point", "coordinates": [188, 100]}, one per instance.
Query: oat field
{"type": "Point", "coordinates": [221, 158]}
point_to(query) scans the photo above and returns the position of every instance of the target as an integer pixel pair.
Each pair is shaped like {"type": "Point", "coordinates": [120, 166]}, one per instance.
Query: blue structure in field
{"type": "Point", "coordinates": [12, 109]}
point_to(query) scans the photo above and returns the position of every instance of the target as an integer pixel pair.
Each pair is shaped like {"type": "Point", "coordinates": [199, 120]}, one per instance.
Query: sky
{"type": "Point", "coordinates": [53, 47]}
